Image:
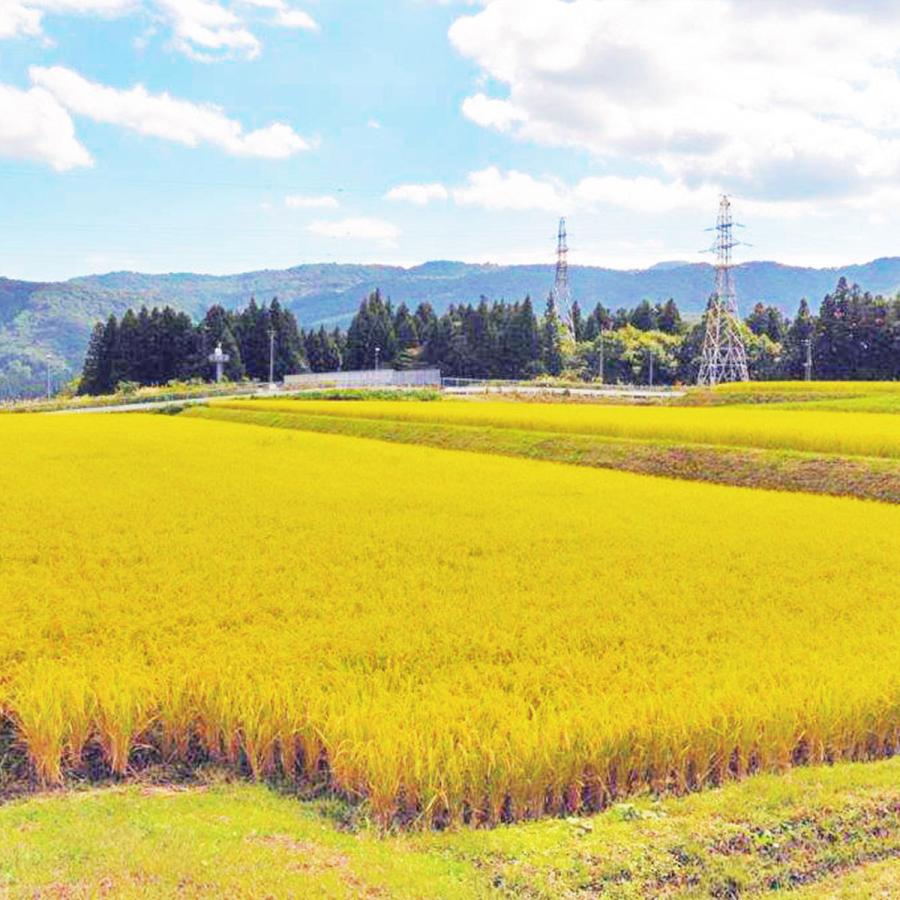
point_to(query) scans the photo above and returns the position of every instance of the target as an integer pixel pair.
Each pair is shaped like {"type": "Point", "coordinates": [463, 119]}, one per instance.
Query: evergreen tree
{"type": "Point", "coordinates": [793, 355]}
{"type": "Point", "coordinates": [766, 320]}
{"type": "Point", "coordinates": [551, 339]}
{"type": "Point", "coordinates": [834, 355]}
{"type": "Point", "coordinates": [371, 335]}
{"type": "Point", "coordinates": [91, 373]}
{"type": "Point", "coordinates": [521, 349]}
{"type": "Point", "coordinates": [130, 352]}
{"type": "Point", "coordinates": [109, 370]}
{"type": "Point", "coordinates": [253, 339]}
{"type": "Point", "coordinates": [426, 322]}
{"type": "Point", "coordinates": [643, 317]}
{"type": "Point", "coordinates": [289, 352]}
{"type": "Point", "coordinates": [599, 320]}
{"type": "Point", "coordinates": [578, 323]}
{"type": "Point", "coordinates": [218, 327]}
{"type": "Point", "coordinates": [405, 328]}
{"type": "Point", "coordinates": [669, 317]}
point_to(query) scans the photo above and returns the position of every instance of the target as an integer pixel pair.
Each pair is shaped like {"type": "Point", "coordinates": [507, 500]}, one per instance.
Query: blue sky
{"type": "Point", "coordinates": [219, 136]}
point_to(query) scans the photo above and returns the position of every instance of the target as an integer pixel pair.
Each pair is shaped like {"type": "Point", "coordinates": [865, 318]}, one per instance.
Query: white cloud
{"type": "Point", "coordinates": [203, 28]}
{"type": "Point", "coordinates": [18, 19]}
{"type": "Point", "coordinates": [490, 112]}
{"type": "Point", "coordinates": [361, 229]}
{"type": "Point", "coordinates": [773, 101]}
{"type": "Point", "coordinates": [492, 189]}
{"type": "Point", "coordinates": [296, 18]}
{"type": "Point", "coordinates": [285, 15]}
{"type": "Point", "coordinates": [374, 124]}
{"type": "Point", "coordinates": [299, 201]}
{"type": "Point", "coordinates": [419, 194]}
{"type": "Point", "coordinates": [166, 117]}
{"type": "Point", "coordinates": [24, 17]}
{"type": "Point", "coordinates": [33, 126]}
{"type": "Point", "coordinates": [641, 194]}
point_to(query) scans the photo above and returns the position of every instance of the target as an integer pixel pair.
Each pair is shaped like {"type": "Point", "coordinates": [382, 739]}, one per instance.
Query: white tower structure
{"type": "Point", "coordinates": [561, 294]}
{"type": "Point", "coordinates": [723, 357]}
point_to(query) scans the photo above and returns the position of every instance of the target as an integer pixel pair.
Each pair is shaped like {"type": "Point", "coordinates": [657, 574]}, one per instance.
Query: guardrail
{"type": "Point", "coordinates": [366, 378]}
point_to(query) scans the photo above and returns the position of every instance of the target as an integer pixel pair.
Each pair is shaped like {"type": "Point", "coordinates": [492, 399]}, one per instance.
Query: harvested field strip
{"type": "Point", "coordinates": [447, 637]}
{"type": "Point", "coordinates": [859, 434]}
{"type": "Point", "coordinates": [870, 479]}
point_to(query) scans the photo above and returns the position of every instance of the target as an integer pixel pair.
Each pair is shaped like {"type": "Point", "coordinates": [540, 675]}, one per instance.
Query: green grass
{"type": "Point", "coordinates": [815, 827]}
{"type": "Point", "coordinates": [365, 394]}
{"type": "Point", "coordinates": [180, 390]}
{"type": "Point", "coordinates": [793, 392]}
{"type": "Point", "coordinates": [873, 479]}
{"type": "Point", "coordinates": [874, 403]}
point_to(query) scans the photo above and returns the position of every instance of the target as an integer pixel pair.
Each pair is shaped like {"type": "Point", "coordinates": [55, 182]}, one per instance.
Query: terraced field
{"type": "Point", "coordinates": [765, 428]}
{"type": "Point", "coordinates": [249, 598]}
{"type": "Point", "coordinates": [792, 441]}
{"type": "Point", "coordinates": [416, 639]}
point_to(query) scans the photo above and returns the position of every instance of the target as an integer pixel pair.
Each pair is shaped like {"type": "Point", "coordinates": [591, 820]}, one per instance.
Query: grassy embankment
{"type": "Point", "coordinates": [829, 832]}
{"type": "Point", "coordinates": [820, 451]}
{"type": "Point", "coordinates": [757, 392]}
{"type": "Point", "coordinates": [176, 390]}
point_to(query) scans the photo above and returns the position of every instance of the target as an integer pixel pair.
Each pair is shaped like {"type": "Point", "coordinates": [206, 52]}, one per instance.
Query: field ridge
{"type": "Point", "coordinates": [864, 478]}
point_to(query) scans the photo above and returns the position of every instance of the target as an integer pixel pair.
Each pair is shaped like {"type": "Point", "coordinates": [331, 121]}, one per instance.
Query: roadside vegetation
{"type": "Point", "coordinates": [814, 832]}
{"type": "Point", "coordinates": [128, 394]}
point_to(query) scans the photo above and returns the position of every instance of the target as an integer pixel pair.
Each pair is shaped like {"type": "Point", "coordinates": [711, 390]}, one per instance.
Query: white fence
{"type": "Point", "coordinates": [366, 378]}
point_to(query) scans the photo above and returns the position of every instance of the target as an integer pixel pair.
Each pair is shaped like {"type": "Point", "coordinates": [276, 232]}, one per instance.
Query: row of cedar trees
{"type": "Point", "coordinates": [854, 336]}
{"type": "Point", "coordinates": [161, 345]}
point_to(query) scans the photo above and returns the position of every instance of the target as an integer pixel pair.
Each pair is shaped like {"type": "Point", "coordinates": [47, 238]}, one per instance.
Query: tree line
{"type": "Point", "coordinates": [157, 346]}
{"type": "Point", "coordinates": [855, 336]}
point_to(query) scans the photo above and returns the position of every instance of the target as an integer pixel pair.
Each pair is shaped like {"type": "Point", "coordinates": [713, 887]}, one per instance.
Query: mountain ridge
{"type": "Point", "coordinates": [40, 318]}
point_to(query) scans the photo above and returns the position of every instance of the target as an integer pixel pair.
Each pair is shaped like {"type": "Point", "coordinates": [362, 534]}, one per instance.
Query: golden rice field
{"type": "Point", "coordinates": [823, 431]}
{"type": "Point", "coordinates": [449, 636]}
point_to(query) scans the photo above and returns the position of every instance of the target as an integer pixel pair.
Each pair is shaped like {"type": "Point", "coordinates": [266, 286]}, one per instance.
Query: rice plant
{"type": "Point", "coordinates": [450, 637]}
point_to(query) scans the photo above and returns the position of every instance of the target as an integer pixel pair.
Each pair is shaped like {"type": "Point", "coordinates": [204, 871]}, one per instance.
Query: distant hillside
{"type": "Point", "coordinates": [37, 319]}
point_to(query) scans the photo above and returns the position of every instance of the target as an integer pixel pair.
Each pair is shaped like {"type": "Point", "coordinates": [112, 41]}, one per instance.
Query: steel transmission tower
{"type": "Point", "coordinates": [561, 294]}
{"type": "Point", "coordinates": [724, 357]}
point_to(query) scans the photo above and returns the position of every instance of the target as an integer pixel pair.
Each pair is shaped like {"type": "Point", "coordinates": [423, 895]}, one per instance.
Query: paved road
{"type": "Point", "coordinates": [156, 404]}
{"type": "Point", "coordinates": [462, 391]}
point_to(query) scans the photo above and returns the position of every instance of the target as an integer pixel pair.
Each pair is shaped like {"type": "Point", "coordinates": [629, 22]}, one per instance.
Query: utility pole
{"type": "Point", "coordinates": [377, 352]}
{"type": "Point", "coordinates": [807, 364]}
{"type": "Point", "coordinates": [602, 357]}
{"type": "Point", "coordinates": [271, 358]}
{"type": "Point", "coordinates": [48, 375]}
{"type": "Point", "coordinates": [650, 354]}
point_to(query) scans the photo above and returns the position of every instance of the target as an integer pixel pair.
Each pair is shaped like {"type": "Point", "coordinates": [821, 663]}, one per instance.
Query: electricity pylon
{"type": "Point", "coordinates": [561, 296]}
{"type": "Point", "coordinates": [723, 357]}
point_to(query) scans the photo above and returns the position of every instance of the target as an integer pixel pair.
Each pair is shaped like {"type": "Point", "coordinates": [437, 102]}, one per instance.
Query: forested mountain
{"type": "Point", "coordinates": [57, 318]}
